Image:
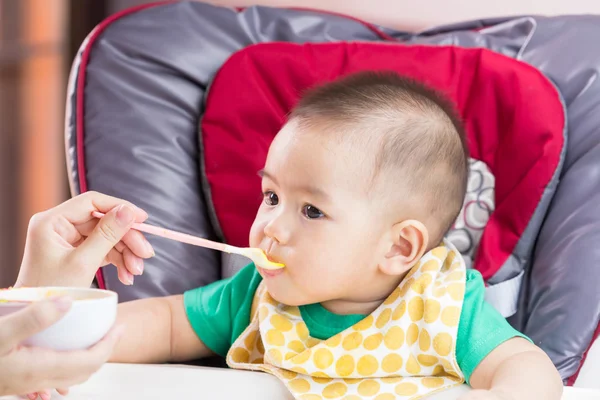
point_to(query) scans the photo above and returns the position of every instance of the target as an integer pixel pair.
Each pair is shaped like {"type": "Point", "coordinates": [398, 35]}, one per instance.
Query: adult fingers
{"type": "Point", "coordinates": [117, 259]}
{"type": "Point", "coordinates": [138, 244]}
{"type": "Point", "coordinates": [79, 208]}
{"type": "Point", "coordinates": [133, 263]}
{"type": "Point", "coordinates": [18, 326]}
{"type": "Point", "coordinates": [67, 368]}
{"type": "Point", "coordinates": [107, 233]}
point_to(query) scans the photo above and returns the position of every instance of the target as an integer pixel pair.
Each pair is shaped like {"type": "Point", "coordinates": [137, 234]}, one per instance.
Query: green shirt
{"type": "Point", "coordinates": [220, 312]}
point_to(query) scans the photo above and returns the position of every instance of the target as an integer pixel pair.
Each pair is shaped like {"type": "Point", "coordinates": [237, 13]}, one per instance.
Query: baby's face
{"type": "Point", "coordinates": [317, 219]}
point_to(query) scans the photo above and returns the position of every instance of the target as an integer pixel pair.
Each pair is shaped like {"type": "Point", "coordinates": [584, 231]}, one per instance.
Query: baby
{"type": "Point", "coordinates": [360, 187]}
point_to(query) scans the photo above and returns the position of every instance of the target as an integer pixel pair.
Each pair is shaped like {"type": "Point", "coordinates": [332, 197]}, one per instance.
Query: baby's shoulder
{"type": "Point", "coordinates": [474, 287]}
{"type": "Point", "coordinates": [474, 277]}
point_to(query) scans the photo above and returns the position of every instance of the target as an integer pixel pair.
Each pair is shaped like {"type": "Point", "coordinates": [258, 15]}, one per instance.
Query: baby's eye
{"type": "Point", "coordinates": [271, 199]}
{"type": "Point", "coordinates": [312, 212]}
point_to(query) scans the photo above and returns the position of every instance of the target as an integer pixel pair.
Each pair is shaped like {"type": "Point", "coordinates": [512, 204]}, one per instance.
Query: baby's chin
{"type": "Point", "coordinates": [282, 296]}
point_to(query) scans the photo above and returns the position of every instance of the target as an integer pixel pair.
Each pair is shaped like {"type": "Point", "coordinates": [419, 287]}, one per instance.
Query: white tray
{"type": "Point", "coordinates": [128, 381]}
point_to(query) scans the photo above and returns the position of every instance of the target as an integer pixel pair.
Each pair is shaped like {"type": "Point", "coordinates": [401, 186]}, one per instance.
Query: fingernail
{"type": "Point", "coordinates": [32, 396]}
{"type": "Point", "coordinates": [125, 215]}
{"type": "Point", "coordinates": [139, 266]}
{"type": "Point", "coordinates": [150, 248]}
{"type": "Point", "coordinates": [129, 278]}
{"type": "Point", "coordinates": [63, 303]}
{"type": "Point", "coordinates": [144, 213]}
{"type": "Point", "coordinates": [45, 396]}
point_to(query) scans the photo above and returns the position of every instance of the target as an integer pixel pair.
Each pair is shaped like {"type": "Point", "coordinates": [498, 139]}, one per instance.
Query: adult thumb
{"type": "Point", "coordinates": [108, 232]}
{"type": "Point", "coordinates": [20, 325]}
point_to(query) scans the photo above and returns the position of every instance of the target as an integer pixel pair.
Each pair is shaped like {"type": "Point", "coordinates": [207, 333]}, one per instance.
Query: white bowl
{"type": "Point", "coordinates": [90, 318]}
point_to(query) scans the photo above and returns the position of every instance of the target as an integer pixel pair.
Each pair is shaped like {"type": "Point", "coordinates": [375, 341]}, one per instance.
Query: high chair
{"type": "Point", "coordinates": [173, 106]}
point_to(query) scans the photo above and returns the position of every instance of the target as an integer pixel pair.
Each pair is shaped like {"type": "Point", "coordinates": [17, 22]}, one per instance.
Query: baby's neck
{"type": "Point", "coordinates": [367, 304]}
{"type": "Point", "coordinates": [347, 307]}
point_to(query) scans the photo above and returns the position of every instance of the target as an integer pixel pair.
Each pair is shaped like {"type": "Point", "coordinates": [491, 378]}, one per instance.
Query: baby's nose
{"type": "Point", "coordinates": [278, 231]}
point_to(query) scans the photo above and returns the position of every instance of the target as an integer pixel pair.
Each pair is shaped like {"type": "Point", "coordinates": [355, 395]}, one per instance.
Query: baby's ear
{"type": "Point", "coordinates": [409, 240]}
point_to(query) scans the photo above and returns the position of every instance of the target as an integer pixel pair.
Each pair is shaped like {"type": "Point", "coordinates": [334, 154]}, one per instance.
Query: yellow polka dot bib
{"type": "Point", "coordinates": [405, 349]}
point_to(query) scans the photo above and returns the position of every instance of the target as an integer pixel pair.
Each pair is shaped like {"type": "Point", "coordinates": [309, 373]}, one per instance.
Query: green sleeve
{"type": "Point", "coordinates": [220, 312]}
{"type": "Point", "coordinates": [481, 328]}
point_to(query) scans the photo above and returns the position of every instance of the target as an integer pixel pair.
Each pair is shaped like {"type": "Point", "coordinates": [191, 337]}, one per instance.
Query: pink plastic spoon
{"type": "Point", "coordinates": [256, 255]}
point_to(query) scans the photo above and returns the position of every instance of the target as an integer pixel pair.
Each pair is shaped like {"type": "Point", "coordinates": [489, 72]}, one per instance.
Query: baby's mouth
{"type": "Point", "coordinates": [272, 272]}
{"type": "Point", "coordinates": [269, 273]}
{"type": "Point", "coordinates": [272, 259]}
{"type": "Point", "coordinates": [268, 253]}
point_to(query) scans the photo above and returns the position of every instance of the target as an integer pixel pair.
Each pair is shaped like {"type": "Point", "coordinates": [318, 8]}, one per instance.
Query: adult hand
{"type": "Point", "coordinates": [66, 245]}
{"type": "Point", "coordinates": [33, 370]}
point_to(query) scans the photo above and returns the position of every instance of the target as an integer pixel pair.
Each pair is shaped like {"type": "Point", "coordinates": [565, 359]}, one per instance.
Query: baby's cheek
{"type": "Point", "coordinates": [334, 255]}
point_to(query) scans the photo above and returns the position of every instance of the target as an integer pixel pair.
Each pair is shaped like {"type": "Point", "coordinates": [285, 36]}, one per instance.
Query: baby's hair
{"type": "Point", "coordinates": [419, 137]}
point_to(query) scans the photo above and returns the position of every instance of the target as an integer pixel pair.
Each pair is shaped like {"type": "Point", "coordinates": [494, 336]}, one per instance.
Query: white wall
{"type": "Point", "coordinates": [419, 14]}
{"type": "Point", "coordinates": [415, 14]}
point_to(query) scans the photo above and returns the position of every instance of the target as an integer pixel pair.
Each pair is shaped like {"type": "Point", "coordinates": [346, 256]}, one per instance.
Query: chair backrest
{"type": "Point", "coordinates": [137, 94]}
{"type": "Point", "coordinates": [514, 119]}
{"type": "Point", "coordinates": [135, 100]}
